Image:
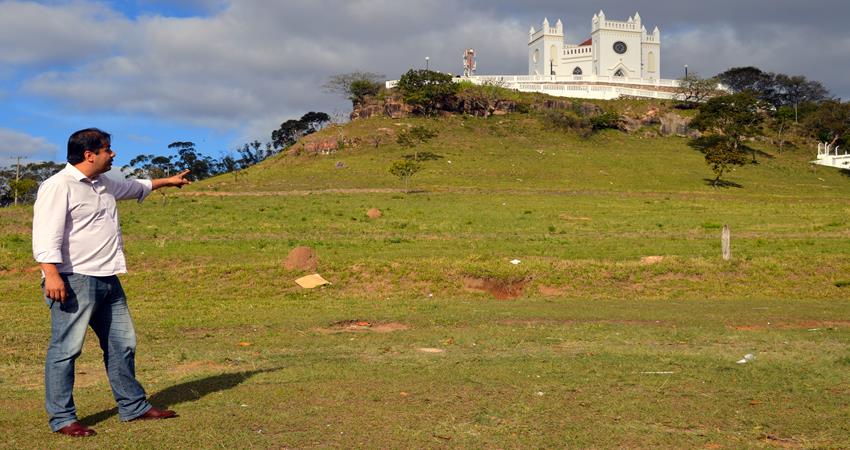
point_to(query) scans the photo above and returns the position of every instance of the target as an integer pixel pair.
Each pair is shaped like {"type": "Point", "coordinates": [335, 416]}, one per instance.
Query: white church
{"type": "Point", "coordinates": [619, 59]}
{"type": "Point", "coordinates": [617, 50]}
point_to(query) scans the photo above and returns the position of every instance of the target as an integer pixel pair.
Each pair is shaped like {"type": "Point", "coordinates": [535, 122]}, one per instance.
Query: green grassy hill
{"type": "Point", "coordinates": [521, 152]}
{"type": "Point", "coordinates": [584, 343]}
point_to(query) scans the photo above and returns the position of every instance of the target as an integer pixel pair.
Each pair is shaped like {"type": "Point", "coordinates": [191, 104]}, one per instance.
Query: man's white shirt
{"type": "Point", "coordinates": [75, 222]}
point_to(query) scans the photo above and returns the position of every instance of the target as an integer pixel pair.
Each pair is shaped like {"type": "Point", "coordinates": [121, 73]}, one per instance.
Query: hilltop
{"type": "Point", "coordinates": [525, 152]}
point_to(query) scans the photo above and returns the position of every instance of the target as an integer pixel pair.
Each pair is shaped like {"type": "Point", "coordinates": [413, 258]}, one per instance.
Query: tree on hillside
{"type": "Point", "coordinates": [426, 90]}
{"type": "Point", "coordinates": [412, 137]}
{"type": "Point", "coordinates": [727, 121]}
{"type": "Point", "coordinates": [315, 121]}
{"type": "Point", "coordinates": [740, 79]}
{"type": "Point", "coordinates": [780, 121]}
{"type": "Point", "coordinates": [356, 86]}
{"type": "Point", "coordinates": [200, 166]}
{"type": "Point", "coordinates": [719, 154]}
{"type": "Point", "coordinates": [229, 164]}
{"type": "Point", "coordinates": [794, 90]}
{"type": "Point", "coordinates": [830, 123]}
{"type": "Point", "coordinates": [404, 170]}
{"type": "Point", "coordinates": [694, 90]}
{"type": "Point", "coordinates": [149, 167]}
{"type": "Point", "coordinates": [294, 129]}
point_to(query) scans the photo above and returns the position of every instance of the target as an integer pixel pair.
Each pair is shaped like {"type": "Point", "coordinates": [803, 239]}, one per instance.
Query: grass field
{"type": "Point", "coordinates": [586, 345]}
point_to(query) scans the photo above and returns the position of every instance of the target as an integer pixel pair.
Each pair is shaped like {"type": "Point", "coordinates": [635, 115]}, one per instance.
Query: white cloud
{"type": "Point", "coordinates": [32, 33]}
{"type": "Point", "coordinates": [248, 65]}
{"type": "Point", "coordinates": [15, 143]}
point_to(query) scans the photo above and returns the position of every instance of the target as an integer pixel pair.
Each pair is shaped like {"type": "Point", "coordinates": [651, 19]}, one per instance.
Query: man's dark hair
{"type": "Point", "coordinates": [91, 139]}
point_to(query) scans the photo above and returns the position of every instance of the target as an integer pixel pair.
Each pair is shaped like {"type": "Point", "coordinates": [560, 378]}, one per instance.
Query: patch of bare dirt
{"type": "Point", "coordinates": [500, 289]}
{"type": "Point", "coordinates": [31, 269]}
{"type": "Point", "coordinates": [541, 321]}
{"type": "Point", "coordinates": [551, 291]}
{"type": "Point", "coordinates": [374, 213]}
{"type": "Point", "coordinates": [301, 258]}
{"type": "Point", "coordinates": [359, 326]}
{"type": "Point", "coordinates": [647, 260]}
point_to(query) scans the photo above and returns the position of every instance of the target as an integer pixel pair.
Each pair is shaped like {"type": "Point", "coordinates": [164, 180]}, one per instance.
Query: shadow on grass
{"type": "Point", "coordinates": [722, 183]}
{"type": "Point", "coordinates": [845, 172]}
{"type": "Point", "coordinates": [184, 392]}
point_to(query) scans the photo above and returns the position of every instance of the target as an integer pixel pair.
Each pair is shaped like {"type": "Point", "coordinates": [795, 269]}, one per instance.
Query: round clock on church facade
{"type": "Point", "coordinates": [620, 47]}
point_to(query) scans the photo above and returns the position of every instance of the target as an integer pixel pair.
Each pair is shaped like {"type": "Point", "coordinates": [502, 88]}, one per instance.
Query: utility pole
{"type": "Point", "coordinates": [17, 179]}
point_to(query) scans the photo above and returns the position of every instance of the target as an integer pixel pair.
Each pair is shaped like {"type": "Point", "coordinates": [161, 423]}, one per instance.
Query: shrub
{"type": "Point", "coordinates": [426, 90]}
{"type": "Point", "coordinates": [566, 120]}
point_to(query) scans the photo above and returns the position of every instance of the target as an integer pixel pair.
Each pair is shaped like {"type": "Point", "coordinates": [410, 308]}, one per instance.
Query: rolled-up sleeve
{"type": "Point", "coordinates": [48, 224]}
{"type": "Point", "coordinates": [127, 189]}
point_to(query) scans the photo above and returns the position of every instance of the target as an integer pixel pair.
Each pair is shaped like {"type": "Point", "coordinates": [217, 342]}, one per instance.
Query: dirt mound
{"type": "Point", "coordinates": [500, 289]}
{"type": "Point", "coordinates": [362, 326]}
{"type": "Point", "coordinates": [374, 213]}
{"type": "Point", "coordinates": [647, 260]}
{"type": "Point", "coordinates": [551, 291]}
{"type": "Point", "coordinates": [301, 258]}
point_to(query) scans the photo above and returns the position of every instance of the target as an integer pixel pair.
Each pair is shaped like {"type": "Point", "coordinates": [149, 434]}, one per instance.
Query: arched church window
{"type": "Point", "coordinates": [577, 71]}
{"type": "Point", "coordinates": [619, 73]}
{"type": "Point", "coordinates": [651, 57]}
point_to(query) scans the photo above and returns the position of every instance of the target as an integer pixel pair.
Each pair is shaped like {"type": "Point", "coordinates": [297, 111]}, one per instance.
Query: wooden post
{"type": "Point", "coordinates": [725, 243]}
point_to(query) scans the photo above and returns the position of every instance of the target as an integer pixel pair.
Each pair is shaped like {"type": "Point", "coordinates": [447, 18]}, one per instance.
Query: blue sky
{"type": "Point", "coordinates": [224, 72]}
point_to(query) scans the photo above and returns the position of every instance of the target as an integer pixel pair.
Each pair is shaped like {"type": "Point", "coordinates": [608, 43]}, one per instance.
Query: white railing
{"type": "Point", "coordinates": [581, 86]}
{"type": "Point", "coordinates": [827, 156]}
{"type": "Point", "coordinates": [571, 79]}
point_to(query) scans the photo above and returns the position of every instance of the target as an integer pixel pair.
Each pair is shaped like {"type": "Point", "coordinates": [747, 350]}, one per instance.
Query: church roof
{"type": "Point", "coordinates": [587, 42]}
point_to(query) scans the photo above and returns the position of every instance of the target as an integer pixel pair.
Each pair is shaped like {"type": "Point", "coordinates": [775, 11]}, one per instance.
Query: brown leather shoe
{"type": "Point", "coordinates": [156, 413]}
{"type": "Point", "coordinates": [76, 429]}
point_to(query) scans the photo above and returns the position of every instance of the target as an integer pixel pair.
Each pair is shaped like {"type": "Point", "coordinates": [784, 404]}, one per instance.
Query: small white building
{"type": "Point", "coordinates": [616, 50]}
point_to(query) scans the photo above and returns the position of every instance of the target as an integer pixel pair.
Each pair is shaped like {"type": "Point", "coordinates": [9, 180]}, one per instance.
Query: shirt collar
{"type": "Point", "coordinates": [74, 172]}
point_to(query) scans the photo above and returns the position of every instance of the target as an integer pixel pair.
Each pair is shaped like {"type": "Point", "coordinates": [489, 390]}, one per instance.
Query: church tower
{"type": "Point", "coordinates": [617, 50]}
{"type": "Point", "coordinates": [545, 48]}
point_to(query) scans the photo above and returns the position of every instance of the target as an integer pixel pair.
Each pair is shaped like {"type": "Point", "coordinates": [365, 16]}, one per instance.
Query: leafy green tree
{"type": "Point", "coordinates": [294, 129]}
{"type": "Point", "coordinates": [830, 122]}
{"type": "Point", "coordinates": [720, 154]}
{"type": "Point", "coordinates": [23, 189]}
{"type": "Point", "coordinates": [200, 166]}
{"type": "Point", "coordinates": [426, 90]}
{"type": "Point", "coordinates": [355, 86]}
{"type": "Point", "coordinates": [288, 133]}
{"type": "Point", "coordinates": [740, 79]}
{"type": "Point", "coordinates": [411, 138]}
{"type": "Point", "coordinates": [229, 164]}
{"type": "Point", "coordinates": [795, 90]}
{"type": "Point", "coordinates": [150, 167]}
{"type": "Point", "coordinates": [404, 170]}
{"type": "Point", "coordinates": [727, 121]}
{"type": "Point", "coordinates": [694, 90]}
{"type": "Point", "coordinates": [315, 121]}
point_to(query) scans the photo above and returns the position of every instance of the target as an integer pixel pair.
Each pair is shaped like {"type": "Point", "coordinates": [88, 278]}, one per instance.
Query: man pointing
{"type": "Point", "coordinates": [77, 241]}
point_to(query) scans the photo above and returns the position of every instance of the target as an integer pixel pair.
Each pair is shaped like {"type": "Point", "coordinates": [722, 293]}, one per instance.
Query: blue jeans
{"type": "Point", "coordinates": [98, 302]}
